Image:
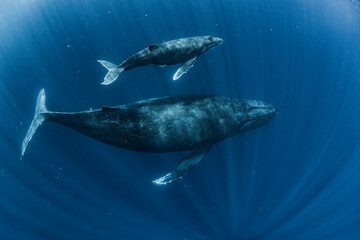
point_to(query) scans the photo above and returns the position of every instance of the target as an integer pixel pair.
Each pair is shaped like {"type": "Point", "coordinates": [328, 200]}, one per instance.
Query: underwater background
{"type": "Point", "coordinates": [298, 177]}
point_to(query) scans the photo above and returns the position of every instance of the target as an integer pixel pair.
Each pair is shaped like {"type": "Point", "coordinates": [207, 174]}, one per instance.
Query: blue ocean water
{"type": "Point", "coordinates": [295, 178]}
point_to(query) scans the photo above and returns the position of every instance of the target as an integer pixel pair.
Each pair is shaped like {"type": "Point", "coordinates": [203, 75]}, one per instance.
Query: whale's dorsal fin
{"type": "Point", "coordinates": [184, 68]}
{"type": "Point", "coordinates": [153, 47]}
{"type": "Point", "coordinates": [186, 164]}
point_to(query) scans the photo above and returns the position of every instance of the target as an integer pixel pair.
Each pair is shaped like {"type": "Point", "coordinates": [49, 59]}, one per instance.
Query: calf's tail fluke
{"type": "Point", "coordinates": [39, 118]}
{"type": "Point", "coordinates": [113, 74]}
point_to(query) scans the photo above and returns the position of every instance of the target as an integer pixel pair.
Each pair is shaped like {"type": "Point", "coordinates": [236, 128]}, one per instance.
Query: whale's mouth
{"type": "Point", "coordinates": [215, 42]}
{"type": "Point", "coordinates": [258, 121]}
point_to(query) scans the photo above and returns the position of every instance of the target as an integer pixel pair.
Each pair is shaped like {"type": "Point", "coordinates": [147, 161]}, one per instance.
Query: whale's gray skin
{"type": "Point", "coordinates": [168, 124]}
{"type": "Point", "coordinates": [182, 51]}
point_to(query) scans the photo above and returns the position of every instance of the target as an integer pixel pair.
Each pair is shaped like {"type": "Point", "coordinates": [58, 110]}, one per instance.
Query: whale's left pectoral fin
{"type": "Point", "coordinates": [184, 68]}
{"type": "Point", "coordinates": [186, 164]}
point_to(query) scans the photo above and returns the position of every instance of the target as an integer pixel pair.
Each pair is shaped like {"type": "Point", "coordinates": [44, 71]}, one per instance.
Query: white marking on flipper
{"type": "Point", "coordinates": [187, 163]}
{"type": "Point", "coordinates": [168, 178]}
{"type": "Point", "coordinates": [184, 68]}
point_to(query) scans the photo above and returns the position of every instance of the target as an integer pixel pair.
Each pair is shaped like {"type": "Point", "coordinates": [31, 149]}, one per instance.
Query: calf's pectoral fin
{"type": "Point", "coordinates": [187, 163]}
{"type": "Point", "coordinates": [184, 68]}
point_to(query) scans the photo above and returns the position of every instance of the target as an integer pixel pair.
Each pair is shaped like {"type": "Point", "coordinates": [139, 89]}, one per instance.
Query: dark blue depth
{"type": "Point", "coordinates": [297, 177]}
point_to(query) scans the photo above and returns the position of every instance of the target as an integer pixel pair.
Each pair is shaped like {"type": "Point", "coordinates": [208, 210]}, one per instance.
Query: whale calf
{"type": "Point", "coordinates": [184, 51]}
{"type": "Point", "coordinates": [168, 124]}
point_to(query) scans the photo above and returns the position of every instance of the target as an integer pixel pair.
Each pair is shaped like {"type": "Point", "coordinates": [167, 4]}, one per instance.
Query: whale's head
{"type": "Point", "coordinates": [253, 114]}
{"type": "Point", "coordinates": [211, 42]}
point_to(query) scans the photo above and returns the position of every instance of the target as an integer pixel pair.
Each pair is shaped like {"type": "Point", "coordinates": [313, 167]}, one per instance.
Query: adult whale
{"type": "Point", "coordinates": [167, 124]}
{"type": "Point", "coordinates": [182, 51]}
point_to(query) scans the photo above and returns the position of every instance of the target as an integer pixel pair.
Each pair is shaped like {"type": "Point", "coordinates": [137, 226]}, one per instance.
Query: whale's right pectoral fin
{"type": "Point", "coordinates": [184, 68]}
{"type": "Point", "coordinates": [187, 163]}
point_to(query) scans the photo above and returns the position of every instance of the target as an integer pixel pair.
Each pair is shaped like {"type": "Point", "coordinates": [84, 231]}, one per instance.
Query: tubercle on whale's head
{"type": "Point", "coordinates": [252, 114]}
{"type": "Point", "coordinates": [211, 42]}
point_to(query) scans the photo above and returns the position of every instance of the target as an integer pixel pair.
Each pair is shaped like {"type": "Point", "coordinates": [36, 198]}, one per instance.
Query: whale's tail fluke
{"type": "Point", "coordinates": [113, 74]}
{"type": "Point", "coordinates": [39, 118]}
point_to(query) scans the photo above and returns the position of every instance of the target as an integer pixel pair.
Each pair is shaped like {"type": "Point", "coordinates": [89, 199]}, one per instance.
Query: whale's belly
{"type": "Point", "coordinates": [175, 52]}
{"type": "Point", "coordinates": [165, 54]}
{"type": "Point", "coordinates": [179, 127]}
{"type": "Point", "coordinates": [172, 53]}
{"type": "Point", "coordinates": [163, 125]}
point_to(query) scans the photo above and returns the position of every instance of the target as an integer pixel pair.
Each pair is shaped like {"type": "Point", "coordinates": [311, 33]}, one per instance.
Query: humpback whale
{"type": "Point", "coordinates": [167, 124]}
{"type": "Point", "coordinates": [184, 51]}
